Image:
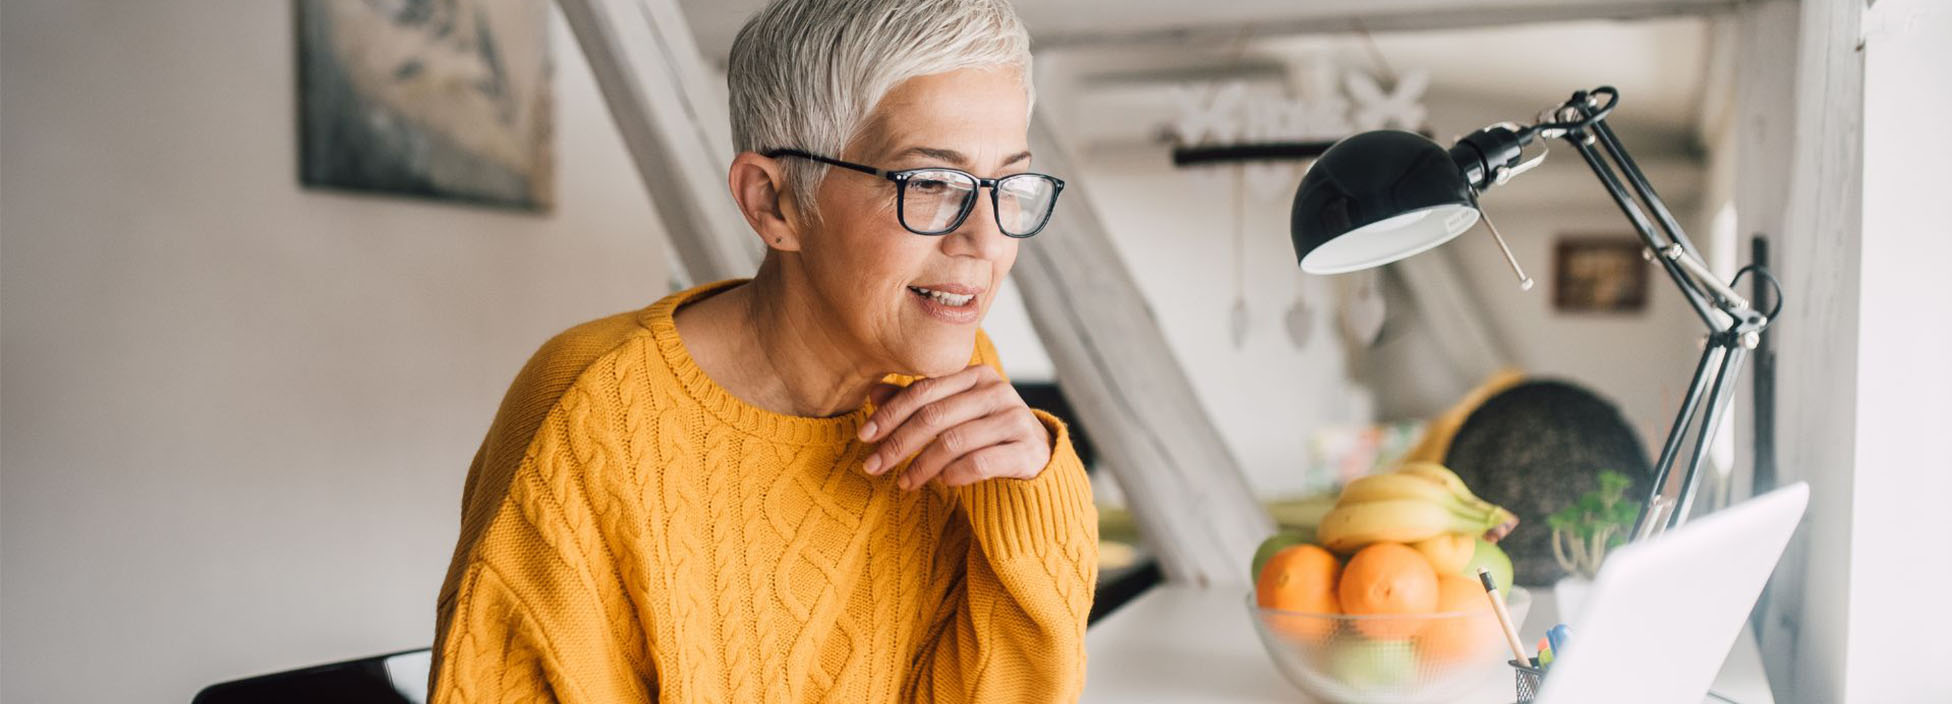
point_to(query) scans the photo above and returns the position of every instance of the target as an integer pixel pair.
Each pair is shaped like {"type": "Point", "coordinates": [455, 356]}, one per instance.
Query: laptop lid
{"type": "Point", "coordinates": [1662, 614]}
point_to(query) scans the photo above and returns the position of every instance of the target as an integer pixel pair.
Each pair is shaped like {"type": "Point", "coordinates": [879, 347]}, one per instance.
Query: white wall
{"type": "Point", "coordinates": [238, 413]}
{"type": "Point", "coordinates": [1904, 378]}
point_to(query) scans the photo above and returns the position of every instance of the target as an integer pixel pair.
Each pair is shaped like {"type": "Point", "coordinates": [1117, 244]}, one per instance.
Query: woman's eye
{"type": "Point", "coordinates": [928, 185]}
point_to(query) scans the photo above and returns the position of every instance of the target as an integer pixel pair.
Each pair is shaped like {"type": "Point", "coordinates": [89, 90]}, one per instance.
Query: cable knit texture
{"type": "Point", "coordinates": [631, 532]}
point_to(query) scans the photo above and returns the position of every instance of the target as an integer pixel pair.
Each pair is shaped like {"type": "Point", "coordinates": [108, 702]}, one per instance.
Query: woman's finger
{"type": "Point", "coordinates": [881, 392]}
{"type": "Point", "coordinates": [957, 442]}
{"type": "Point", "coordinates": [926, 424]}
{"type": "Point", "coordinates": [996, 461]}
{"type": "Point", "coordinates": [921, 393]}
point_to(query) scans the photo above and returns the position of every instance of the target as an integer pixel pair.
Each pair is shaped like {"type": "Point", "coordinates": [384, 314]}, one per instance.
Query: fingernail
{"type": "Point", "coordinates": [873, 465]}
{"type": "Point", "coordinates": [867, 431]}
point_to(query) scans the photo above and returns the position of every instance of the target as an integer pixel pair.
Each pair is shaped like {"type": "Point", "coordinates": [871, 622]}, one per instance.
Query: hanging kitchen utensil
{"type": "Point", "coordinates": [1300, 319]}
{"type": "Point", "coordinates": [1362, 306]}
{"type": "Point", "coordinates": [1238, 317]}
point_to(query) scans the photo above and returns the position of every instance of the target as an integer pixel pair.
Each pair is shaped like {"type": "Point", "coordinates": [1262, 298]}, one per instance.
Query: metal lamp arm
{"type": "Point", "coordinates": [1492, 155]}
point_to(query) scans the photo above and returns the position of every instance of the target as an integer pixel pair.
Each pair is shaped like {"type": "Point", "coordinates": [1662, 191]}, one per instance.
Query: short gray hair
{"type": "Point", "coordinates": [805, 74]}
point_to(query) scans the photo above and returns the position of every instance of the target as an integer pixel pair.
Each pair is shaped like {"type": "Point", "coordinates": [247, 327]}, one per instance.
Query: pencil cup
{"type": "Point", "coordinates": [1529, 680]}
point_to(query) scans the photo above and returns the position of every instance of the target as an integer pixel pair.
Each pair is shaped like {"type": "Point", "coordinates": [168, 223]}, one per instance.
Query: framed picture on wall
{"type": "Point", "coordinates": [1603, 274]}
{"type": "Point", "coordinates": [449, 100]}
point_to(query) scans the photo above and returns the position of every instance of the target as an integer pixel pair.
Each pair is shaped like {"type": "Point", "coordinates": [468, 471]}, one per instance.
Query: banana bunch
{"type": "Point", "coordinates": [1419, 501]}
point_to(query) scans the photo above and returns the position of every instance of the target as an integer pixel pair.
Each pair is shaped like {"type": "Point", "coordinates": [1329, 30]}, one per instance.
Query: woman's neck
{"type": "Point", "coordinates": [772, 350]}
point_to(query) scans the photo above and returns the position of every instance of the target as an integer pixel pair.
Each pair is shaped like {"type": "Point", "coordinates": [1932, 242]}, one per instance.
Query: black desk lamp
{"type": "Point", "coordinates": [1381, 196]}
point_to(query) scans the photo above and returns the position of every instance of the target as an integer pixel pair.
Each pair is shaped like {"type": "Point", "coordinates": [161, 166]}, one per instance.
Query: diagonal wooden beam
{"type": "Point", "coordinates": [1186, 489]}
{"type": "Point", "coordinates": [1187, 492]}
{"type": "Point", "coordinates": [659, 93]}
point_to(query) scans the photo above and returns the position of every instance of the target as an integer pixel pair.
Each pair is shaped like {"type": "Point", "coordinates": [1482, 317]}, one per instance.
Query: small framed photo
{"type": "Point", "coordinates": [1604, 274]}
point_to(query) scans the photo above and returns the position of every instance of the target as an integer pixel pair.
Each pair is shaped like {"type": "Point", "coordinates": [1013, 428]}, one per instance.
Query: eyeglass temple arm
{"type": "Point", "coordinates": [863, 168]}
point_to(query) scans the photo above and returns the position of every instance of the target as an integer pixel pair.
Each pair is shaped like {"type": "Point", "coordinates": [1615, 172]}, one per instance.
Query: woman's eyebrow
{"type": "Point", "coordinates": [953, 157]}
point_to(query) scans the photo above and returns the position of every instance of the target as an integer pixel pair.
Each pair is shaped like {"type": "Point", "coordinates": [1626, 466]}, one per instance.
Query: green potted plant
{"type": "Point", "coordinates": [1585, 531]}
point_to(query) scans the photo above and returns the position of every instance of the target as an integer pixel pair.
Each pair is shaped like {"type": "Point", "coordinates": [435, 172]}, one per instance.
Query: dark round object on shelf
{"type": "Point", "coordinates": [1534, 449]}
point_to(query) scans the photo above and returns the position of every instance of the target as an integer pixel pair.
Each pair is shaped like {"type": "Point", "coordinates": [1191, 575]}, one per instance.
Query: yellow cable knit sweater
{"type": "Point", "coordinates": [631, 532]}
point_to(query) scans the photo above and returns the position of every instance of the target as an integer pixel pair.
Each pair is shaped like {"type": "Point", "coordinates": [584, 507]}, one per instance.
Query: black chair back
{"type": "Point", "coordinates": [370, 680]}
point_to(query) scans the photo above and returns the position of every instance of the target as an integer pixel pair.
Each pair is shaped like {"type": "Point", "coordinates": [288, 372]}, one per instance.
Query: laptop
{"type": "Point", "coordinates": [1663, 613]}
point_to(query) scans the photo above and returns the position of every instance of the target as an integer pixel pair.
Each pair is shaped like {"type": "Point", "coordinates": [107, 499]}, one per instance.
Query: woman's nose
{"type": "Point", "coordinates": [979, 236]}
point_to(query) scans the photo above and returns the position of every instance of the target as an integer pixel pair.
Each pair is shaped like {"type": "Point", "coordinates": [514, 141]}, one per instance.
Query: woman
{"type": "Point", "coordinates": [737, 494]}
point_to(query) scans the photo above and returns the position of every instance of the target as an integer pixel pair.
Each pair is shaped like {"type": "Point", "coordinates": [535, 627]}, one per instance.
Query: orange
{"type": "Point", "coordinates": [1300, 578]}
{"type": "Point", "coordinates": [1448, 553]}
{"type": "Point", "coordinates": [1388, 578]}
{"type": "Point", "coordinates": [1457, 638]}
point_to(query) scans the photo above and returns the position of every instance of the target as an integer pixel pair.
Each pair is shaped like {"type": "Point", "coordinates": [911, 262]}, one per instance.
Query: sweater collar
{"type": "Point", "coordinates": [730, 409]}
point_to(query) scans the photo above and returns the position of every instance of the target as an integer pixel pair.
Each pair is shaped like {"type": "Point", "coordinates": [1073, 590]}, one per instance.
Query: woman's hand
{"type": "Point", "coordinates": [967, 427]}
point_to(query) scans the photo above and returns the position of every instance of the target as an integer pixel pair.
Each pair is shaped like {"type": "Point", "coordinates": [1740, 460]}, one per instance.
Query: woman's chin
{"type": "Point", "coordinates": [941, 359]}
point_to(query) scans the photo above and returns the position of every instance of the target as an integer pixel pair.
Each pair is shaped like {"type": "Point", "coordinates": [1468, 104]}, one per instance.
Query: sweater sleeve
{"type": "Point", "coordinates": [1013, 629]}
{"type": "Point", "coordinates": [539, 613]}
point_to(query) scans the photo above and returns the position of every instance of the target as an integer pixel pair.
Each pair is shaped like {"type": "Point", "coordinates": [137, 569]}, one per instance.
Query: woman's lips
{"type": "Point", "coordinates": [965, 314]}
{"type": "Point", "coordinates": [955, 288]}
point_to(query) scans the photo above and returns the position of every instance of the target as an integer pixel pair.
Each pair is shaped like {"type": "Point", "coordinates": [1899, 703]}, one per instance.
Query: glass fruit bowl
{"type": "Point", "coordinates": [1388, 659]}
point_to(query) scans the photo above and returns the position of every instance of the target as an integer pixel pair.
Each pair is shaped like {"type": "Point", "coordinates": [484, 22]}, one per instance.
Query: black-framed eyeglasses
{"type": "Point", "coordinates": [936, 200]}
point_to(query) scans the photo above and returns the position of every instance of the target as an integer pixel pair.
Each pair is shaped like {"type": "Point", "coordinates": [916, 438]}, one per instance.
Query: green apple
{"type": "Point", "coordinates": [1489, 556]}
{"type": "Point", "coordinates": [1273, 544]}
{"type": "Point", "coordinates": [1363, 663]}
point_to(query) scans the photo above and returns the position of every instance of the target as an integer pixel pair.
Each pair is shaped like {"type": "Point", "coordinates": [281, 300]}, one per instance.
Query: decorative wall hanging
{"type": "Point", "coordinates": [448, 99]}
{"type": "Point", "coordinates": [1226, 123]}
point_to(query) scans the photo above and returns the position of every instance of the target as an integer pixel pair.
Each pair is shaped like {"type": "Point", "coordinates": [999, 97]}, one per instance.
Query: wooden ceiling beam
{"type": "Point", "coordinates": [1374, 16]}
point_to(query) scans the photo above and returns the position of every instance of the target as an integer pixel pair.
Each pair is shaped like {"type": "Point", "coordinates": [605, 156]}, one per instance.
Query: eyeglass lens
{"type": "Point", "coordinates": [935, 199]}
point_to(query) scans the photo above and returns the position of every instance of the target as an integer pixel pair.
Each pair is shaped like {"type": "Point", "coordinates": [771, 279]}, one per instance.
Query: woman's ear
{"type": "Point", "coordinates": [759, 185]}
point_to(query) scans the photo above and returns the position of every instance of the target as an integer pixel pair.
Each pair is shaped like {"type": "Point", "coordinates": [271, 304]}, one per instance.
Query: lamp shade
{"type": "Point", "coordinates": [1377, 197]}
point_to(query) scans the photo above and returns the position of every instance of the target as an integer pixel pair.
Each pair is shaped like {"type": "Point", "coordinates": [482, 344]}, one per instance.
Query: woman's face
{"type": "Point", "coordinates": [912, 302]}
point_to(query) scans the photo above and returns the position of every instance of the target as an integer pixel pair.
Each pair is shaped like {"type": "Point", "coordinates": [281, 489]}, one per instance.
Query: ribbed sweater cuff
{"type": "Point", "coordinates": [1031, 516]}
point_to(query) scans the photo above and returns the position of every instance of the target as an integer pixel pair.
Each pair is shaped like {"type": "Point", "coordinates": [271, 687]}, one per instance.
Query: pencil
{"type": "Point", "coordinates": [1504, 617]}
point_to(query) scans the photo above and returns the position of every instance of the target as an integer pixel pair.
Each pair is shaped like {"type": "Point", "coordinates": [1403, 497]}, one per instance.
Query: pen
{"type": "Point", "coordinates": [1545, 653]}
{"type": "Point", "coordinates": [1504, 617]}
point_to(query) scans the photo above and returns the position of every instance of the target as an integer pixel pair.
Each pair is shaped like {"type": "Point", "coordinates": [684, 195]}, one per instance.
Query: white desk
{"type": "Point", "coordinates": [1183, 644]}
